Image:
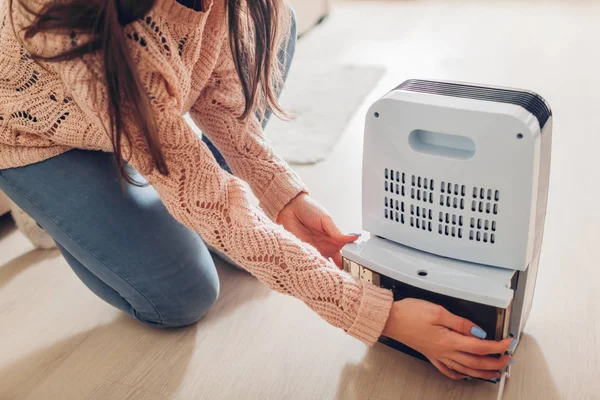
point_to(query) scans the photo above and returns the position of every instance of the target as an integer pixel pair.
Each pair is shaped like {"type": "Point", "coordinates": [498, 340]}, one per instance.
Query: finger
{"type": "Point", "coordinates": [334, 232]}
{"type": "Point", "coordinates": [337, 259]}
{"type": "Point", "coordinates": [482, 362]}
{"type": "Point", "coordinates": [481, 347]}
{"type": "Point", "coordinates": [460, 325]}
{"type": "Point", "coordinates": [475, 373]}
{"type": "Point", "coordinates": [447, 371]}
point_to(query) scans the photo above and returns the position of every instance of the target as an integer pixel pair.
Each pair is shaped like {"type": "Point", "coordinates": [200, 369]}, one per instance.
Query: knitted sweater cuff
{"type": "Point", "coordinates": [372, 315]}
{"type": "Point", "coordinates": [283, 188]}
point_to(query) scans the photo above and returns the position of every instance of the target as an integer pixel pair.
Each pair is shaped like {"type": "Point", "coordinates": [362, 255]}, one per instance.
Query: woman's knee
{"type": "Point", "coordinates": [184, 305]}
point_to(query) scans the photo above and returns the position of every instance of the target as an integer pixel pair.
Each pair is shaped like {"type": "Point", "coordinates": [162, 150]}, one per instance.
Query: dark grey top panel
{"type": "Point", "coordinates": [532, 102]}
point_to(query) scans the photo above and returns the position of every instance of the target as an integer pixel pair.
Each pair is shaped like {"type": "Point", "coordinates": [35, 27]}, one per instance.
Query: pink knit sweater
{"type": "Point", "coordinates": [185, 64]}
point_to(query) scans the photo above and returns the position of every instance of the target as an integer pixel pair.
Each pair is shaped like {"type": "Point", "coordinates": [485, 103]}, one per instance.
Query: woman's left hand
{"type": "Point", "coordinates": [311, 223]}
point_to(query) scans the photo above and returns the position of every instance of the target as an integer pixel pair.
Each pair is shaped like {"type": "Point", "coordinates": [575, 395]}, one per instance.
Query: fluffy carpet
{"type": "Point", "coordinates": [322, 101]}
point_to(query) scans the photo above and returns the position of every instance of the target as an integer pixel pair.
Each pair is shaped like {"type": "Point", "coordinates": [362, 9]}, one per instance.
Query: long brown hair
{"type": "Point", "coordinates": [255, 31]}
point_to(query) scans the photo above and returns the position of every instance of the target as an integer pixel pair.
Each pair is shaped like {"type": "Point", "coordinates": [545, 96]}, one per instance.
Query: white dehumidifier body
{"type": "Point", "coordinates": [455, 185]}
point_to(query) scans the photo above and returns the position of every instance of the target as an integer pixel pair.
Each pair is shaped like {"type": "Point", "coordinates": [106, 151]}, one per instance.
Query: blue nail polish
{"type": "Point", "coordinates": [495, 380]}
{"type": "Point", "coordinates": [478, 332]}
{"type": "Point", "coordinates": [512, 347]}
{"type": "Point", "coordinates": [511, 362]}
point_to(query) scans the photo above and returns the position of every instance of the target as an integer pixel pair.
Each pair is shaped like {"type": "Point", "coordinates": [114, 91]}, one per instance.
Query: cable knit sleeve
{"type": "Point", "coordinates": [242, 142]}
{"type": "Point", "coordinates": [214, 203]}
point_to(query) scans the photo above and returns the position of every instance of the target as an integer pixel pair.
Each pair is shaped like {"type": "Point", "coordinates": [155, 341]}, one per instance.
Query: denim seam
{"type": "Point", "coordinates": [85, 249]}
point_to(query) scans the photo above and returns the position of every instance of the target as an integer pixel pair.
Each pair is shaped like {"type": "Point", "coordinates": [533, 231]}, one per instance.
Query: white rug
{"type": "Point", "coordinates": [322, 102]}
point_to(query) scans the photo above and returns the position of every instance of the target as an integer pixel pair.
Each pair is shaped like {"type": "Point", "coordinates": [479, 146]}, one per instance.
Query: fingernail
{"type": "Point", "coordinates": [511, 362]}
{"type": "Point", "coordinates": [495, 380]}
{"type": "Point", "coordinates": [512, 347]}
{"type": "Point", "coordinates": [355, 234]}
{"type": "Point", "coordinates": [478, 332]}
{"type": "Point", "coordinates": [468, 378]}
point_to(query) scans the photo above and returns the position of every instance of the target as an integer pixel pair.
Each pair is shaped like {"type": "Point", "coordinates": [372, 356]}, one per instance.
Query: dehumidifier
{"type": "Point", "coordinates": [454, 190]}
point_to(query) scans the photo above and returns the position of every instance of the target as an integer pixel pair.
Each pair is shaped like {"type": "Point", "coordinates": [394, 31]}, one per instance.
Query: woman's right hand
{"type": "Point", "coordinates": [446, 340]}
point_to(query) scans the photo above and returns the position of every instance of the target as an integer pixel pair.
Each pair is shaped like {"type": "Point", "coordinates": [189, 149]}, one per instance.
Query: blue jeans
{"type": "Point", "coordinates": [120, 239]}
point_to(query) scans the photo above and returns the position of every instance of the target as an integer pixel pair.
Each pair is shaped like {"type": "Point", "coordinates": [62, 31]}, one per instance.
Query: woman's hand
{"type": "Point", "coordinates": [310, 222]}
{"type": "Point", "coordinates": [448, 341]}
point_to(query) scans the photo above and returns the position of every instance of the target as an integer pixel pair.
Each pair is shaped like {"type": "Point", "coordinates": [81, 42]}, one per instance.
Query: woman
{"type": "Point", "coordinates": [95, 90]}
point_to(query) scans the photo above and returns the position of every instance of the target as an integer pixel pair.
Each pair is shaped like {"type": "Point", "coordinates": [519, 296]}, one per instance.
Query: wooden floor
{"type": "Point", "coordinates": [57, 341]}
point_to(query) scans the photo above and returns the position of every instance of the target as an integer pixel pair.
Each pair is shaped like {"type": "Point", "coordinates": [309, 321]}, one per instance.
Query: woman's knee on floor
{"type": "Point", "coordinates": [180, 305]}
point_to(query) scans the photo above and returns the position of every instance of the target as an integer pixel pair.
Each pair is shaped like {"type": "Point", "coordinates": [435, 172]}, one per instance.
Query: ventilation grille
{"type": "Point", "coordinates": [483, 230]}
{"type": "Point", "coordinates": [532, 102]}
{"type": "Point", "coordinates": [414, 187]}
{"type": "Point", "coordinates": [453, 195]}
{"type": "Point", "coordinates": [451, 225]}
{"type": "Point", "coordinates": [485, 201]}
{"type": "Point", "coordinates": [409, 200]}
{"type": "Point", "coordinates": [394, 210]}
